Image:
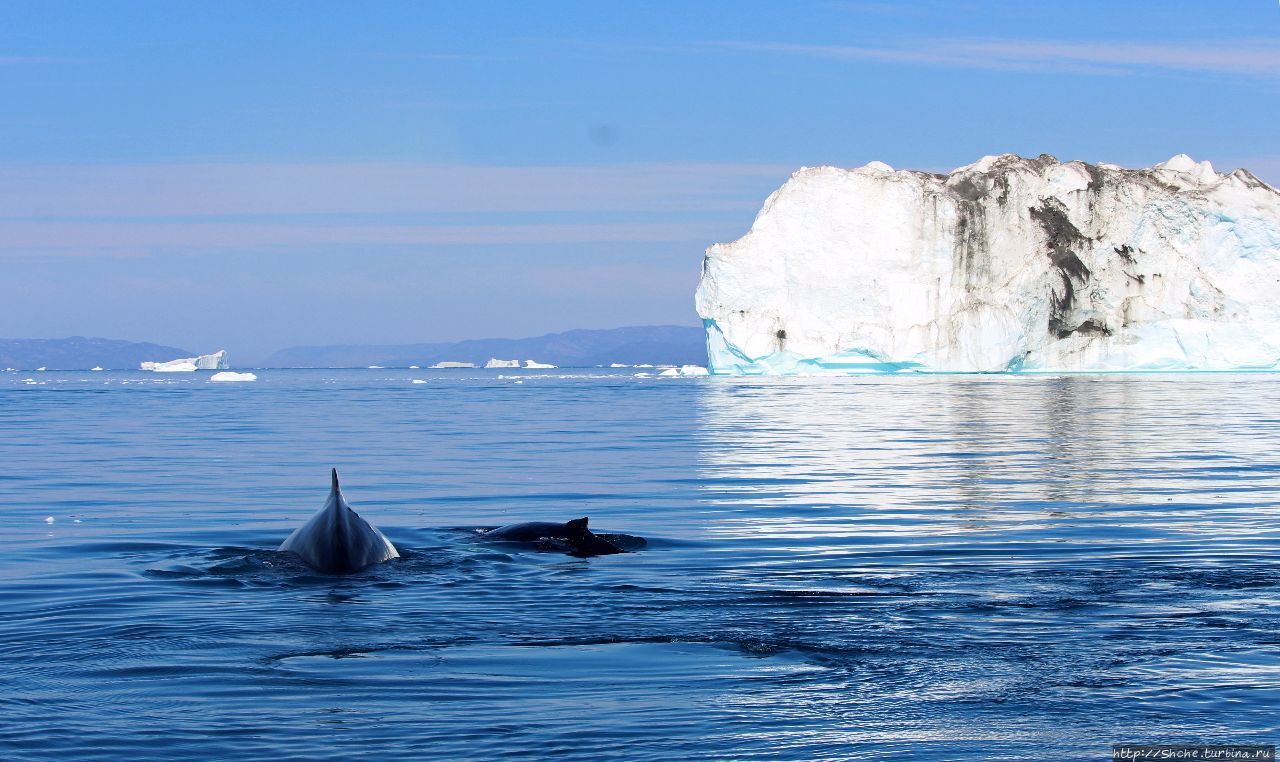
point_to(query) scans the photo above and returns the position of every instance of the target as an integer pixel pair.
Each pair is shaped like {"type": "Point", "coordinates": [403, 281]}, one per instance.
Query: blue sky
{"type": "Point", "coordinates": [257, 175]}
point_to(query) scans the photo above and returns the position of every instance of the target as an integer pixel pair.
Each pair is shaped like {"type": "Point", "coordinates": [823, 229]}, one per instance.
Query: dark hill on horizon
{"type": "Point", "coordinates": [82, 353]}
{"type": "Point", "coordinates": [664, 344]}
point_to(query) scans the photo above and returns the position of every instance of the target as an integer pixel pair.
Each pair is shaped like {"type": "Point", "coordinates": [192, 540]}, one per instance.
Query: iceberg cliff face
{"type": "Point", "coordinates": [1007, 264]}
{"type": "Point", "coordinates": [215, 361]}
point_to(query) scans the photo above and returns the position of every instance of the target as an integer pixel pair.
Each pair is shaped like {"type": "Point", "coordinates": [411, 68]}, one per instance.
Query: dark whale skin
{"type": "Point", "coordinates": [336, 540]}
{"type": "Point", "coordinates": [579, 540]}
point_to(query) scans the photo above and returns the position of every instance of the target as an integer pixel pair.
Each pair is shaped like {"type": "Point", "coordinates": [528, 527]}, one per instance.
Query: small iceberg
{"type": "Point", "coordinates": [496, 363]}
{"type": "Point", "coordinates": [618, 365]}
{"type": "Point", "coordinates": [448, 364]}
{"type": "Point", "coordinates": [227, 375]}
{"type": "Point", "coordinates": [215, 361]}
{"type": "Point", "coordinates": [96, 367]}
{"type": "Point", "coordinates": [535, 364]}
{"type": "Point", "coordinates": [419, 381]}
{"type": "Point", "coordinates": [685, 371]}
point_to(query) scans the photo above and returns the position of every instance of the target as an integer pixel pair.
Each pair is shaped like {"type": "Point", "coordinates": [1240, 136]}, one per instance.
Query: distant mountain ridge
{"type": "Point", "coordinates": [82, 353]}
{"type": "Point", "coordinates": [664, 344]}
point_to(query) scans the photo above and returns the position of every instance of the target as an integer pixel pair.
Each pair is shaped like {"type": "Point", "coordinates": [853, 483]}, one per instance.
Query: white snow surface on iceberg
{"type": "Point", "coordinates": [1007, 264]}
{"type": "Point", "coordinates": [215, 361]}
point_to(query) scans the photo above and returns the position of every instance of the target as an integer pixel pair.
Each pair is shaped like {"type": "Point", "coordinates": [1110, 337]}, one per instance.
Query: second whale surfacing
{"type": "Point", "coordinates": [573, 536]}
{"type": "Point", "coordinates": [337, 540]}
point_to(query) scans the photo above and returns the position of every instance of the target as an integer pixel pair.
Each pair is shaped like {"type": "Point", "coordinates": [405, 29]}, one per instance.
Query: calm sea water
{"type": "Point", "coordinates": [916, 567]}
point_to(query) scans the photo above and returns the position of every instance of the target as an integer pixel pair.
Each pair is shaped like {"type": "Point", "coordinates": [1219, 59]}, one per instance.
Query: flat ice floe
{"type": "Point", "coordinates": [227, 375]}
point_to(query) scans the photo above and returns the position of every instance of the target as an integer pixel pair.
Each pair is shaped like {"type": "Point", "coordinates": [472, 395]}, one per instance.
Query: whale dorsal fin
{"type": "Point", "coordinates": [334, 488]}
{"type": "Point", "coordinates": [577, 526]}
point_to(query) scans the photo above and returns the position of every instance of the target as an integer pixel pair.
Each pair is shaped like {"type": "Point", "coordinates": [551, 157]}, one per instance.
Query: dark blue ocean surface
{"type": "Point", "coordinates": [915, 567]}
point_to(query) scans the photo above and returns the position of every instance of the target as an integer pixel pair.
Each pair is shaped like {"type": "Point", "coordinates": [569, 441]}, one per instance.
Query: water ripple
{"type": "Point", "coordinates": [911, 567]}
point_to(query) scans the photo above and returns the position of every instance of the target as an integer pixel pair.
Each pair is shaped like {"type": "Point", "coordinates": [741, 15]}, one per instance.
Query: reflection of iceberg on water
{"type": "Point", "coordinates": [496, 363]}
{"type": "Point", "coordinates": [215, 361]}
{"type": "Point", "coordinates": [954, 462]}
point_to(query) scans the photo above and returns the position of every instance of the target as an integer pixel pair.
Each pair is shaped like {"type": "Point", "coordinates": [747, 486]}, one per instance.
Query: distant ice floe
{"type": "Point", "coordinates": [618, 365]}
{"type": "Point", "coordinates": [496, 363]}
{"type": "Point", "coordinates": [419, 381]}
{"type": "Point", "coordinates": [227, 375]}
{"type": "Point", "coordinates": [96, 368]}
{"type": "Point", "coordinates": [536, 364]}
{"type": "Point", "coordinates": [215, 361]}
{"type": "Point", "coordinates": [48, 519]}
{"type": "Point", "coordinates": [686, 371]}
{"type": "Point", "coordinates": [448, 364]}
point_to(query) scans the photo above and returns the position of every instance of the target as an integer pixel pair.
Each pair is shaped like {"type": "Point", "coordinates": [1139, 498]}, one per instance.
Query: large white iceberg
{"type": "Point", "coordinates": [215, 361]}
{"type": "Point", "coordinates": [1007, 264]}
{"type": "Point", "coordinates": [496, 363]}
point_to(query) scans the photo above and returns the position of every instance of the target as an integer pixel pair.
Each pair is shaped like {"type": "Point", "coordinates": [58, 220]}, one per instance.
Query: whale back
{"type": "Point", "coordinates": [337, 540]}
{"type": "Point", "coordinates": [573, 533]}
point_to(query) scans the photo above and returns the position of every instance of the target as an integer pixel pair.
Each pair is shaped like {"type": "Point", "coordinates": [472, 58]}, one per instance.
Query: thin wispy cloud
{"type": "Point", "coordinates": [209, 190]}
{"type": "Point", "coordinates": [19, 60]}
{"type": "Point", "coordinates": [136, 210]}
{"type": "Point", "coordinates": [1247, 58]}
{"type": "Point", "coordinates": [137, 237]}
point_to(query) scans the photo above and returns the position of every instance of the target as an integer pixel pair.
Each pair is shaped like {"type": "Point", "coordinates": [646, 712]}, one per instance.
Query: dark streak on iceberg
{"type": "Point", "coordinates": [1005, 264]}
